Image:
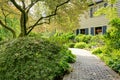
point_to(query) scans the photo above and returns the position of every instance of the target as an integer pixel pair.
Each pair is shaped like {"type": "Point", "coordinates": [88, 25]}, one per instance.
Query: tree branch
{"type": "Point", "coordinates": [10, 29]}
{"type": "Point", "coordinates": [31, 28]}
{"type": "Point", "coordinates": [31, 5]}
{"type": "Point", "coordinates": [51, 15]}
{"type": "Point", "coordinates": [23, 3]}
{"type": "Point", "coordinates": [5, 16]}
{"type": "Point", "coordinates": [17, 6]}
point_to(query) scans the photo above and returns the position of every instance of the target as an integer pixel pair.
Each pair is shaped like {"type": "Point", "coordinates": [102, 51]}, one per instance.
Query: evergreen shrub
{"type": "Point", "coordinates": [33, 58]}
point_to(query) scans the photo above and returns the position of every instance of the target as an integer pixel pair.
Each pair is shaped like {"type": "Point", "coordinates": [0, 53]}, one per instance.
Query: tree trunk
{"type": "Point", "coordinates": [23, 22]}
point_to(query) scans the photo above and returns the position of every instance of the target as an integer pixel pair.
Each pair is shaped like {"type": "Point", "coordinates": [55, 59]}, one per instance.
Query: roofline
{"type": "Point", "coordinates": [95, 3]}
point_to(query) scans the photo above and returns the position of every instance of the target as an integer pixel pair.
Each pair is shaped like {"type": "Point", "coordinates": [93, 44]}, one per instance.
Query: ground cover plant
{"type": "Point", "coordinates": [33, 58]}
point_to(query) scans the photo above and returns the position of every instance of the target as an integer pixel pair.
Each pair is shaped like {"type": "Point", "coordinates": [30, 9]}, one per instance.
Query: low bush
{"type": "Point", "coordinates": [65, 37]}
{"type": "Point", "coordinates": [83, 38]}
{"type": "Point", "coordinates": [80, 45]}
{"type": "Point", "coordinates": [114, 61]}
{"type": "Point", "coordinates": [34, 59]}
{"type": "Point", "coordinates": [71, 45]}
{"type": "Point", "coordinates": [110, 56]}
{"type": "Point", "coordinates": [70, 57]}
{"type": "Point", "coordinates": [97, 51]}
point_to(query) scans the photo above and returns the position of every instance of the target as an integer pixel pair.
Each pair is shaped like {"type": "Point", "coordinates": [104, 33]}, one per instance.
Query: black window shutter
{"type": "Point", "coordinates": [104, 29]}
{"type": "Point", "coordinates": [91, 12]}
{"type": "Point", "coordinates": [86, 31]}
{"type": "Point", "coordinates": [92, 30]}
{"type": "Point", "coordinates": [77, 31]}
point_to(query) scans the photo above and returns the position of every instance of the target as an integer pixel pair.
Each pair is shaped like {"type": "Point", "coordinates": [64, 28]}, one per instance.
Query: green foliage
{"type": "Point", "coordinates": [112, 58]}
{"type": "Point", "coordinates": [112, 37]}
{"type": "Point", "coordinates": [70, 57]}
{"type": "Point", "coordinates": [32, 58]}
{"type": "Point", "coordinates": [109, 11]}
{"type": "Point", "coordinates": [14, 24]}
{"type": "Point", "coordinates": [63, 38]}
{"type": "Point", "coordinates": [97, 51]}
{"type": "Point", "coordinates": [71, 45]}
{"type": "Point", "coordinates": [80, 45]}
{"type": "Point", "coordinates": [83, 38]}
{"type": "Point", "coordinates": [96, 41]}
{"type": "Point", "coordinates": [114, 61]}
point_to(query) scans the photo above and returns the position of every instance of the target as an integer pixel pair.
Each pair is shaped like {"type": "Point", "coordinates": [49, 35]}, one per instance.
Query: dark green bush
{"type": "Point", "coordinates": [33, 59]}
{"type": "Point", "coordinates": [1, 39]}
{"type": "Point", "coordinates": [80, 45]}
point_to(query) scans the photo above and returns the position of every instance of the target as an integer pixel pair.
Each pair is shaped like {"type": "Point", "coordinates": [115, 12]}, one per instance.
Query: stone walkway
{"type": "Point", "coordinates": [89, 67]}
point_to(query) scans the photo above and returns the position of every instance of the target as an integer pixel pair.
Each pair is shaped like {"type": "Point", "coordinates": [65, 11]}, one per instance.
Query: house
{"type": "Point", "coordinates": [94, 24]}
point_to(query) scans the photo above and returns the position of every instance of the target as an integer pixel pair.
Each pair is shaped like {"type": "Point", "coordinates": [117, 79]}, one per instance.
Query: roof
{"type": "Point", "coordinates": [96, 2]}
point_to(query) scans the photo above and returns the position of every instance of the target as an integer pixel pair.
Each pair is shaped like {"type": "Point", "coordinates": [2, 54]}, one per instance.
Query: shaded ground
{"type": "Point", "coordinates": [89, 67]}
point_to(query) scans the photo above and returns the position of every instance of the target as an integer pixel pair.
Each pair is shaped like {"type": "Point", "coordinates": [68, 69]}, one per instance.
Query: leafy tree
{"type": "Point", "coordinates": [110, 11]}
{"type": "Point", "coordinates": [32, 13]}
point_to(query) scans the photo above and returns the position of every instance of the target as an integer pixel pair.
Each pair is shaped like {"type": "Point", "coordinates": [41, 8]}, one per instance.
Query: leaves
{"type": "Point", "coordinates": [32, 58]}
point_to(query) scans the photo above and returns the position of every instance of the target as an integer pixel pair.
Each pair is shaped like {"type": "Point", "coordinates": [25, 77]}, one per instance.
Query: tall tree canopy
{"type": "Point", "coordinates": [32, 13]}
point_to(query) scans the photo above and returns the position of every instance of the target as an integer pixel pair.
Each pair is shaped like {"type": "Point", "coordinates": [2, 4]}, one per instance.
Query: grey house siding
{"type": "Point", "coordinates": [118, 7]}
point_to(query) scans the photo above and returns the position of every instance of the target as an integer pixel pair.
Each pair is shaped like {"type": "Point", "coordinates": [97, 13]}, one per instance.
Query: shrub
{"type": "Point", "coordinates": [71, 45]}
{"type": "Point", "coordinates": [114, 61]}
{"type": "Point", "coordinates": [70, 57]}
{"type": "Point", "coordinates": [83, 38]}
{"type": "Point", "coordinates": [98, 39]}
{"type": "Point", "coordinates": [80, 45]}
{"type": "Point", "coordinates": [65, 37]}
{"type": "Point", "coordinates": [33, 59]}
{"type": "Point", "coordinates": [92, 45]}
{"type": "Point", "coordinates": [97, 51]}
{"type": "Point", "coordinates": [112, 36]}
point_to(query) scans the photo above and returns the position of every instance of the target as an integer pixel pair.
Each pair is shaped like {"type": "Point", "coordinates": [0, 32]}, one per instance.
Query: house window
{"type": "Point", "coordinates": [82, 31]}
{"type": "Point", "coordinates": [98, 30]}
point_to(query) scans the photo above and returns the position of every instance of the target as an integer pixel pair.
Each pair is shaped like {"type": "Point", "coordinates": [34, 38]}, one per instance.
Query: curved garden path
{"type": "Point", "coordinates": [89, 67]}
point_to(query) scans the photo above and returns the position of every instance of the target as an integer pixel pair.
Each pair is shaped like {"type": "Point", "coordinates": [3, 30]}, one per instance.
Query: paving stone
{"type": "Point", "coordinates": [89, 67]}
